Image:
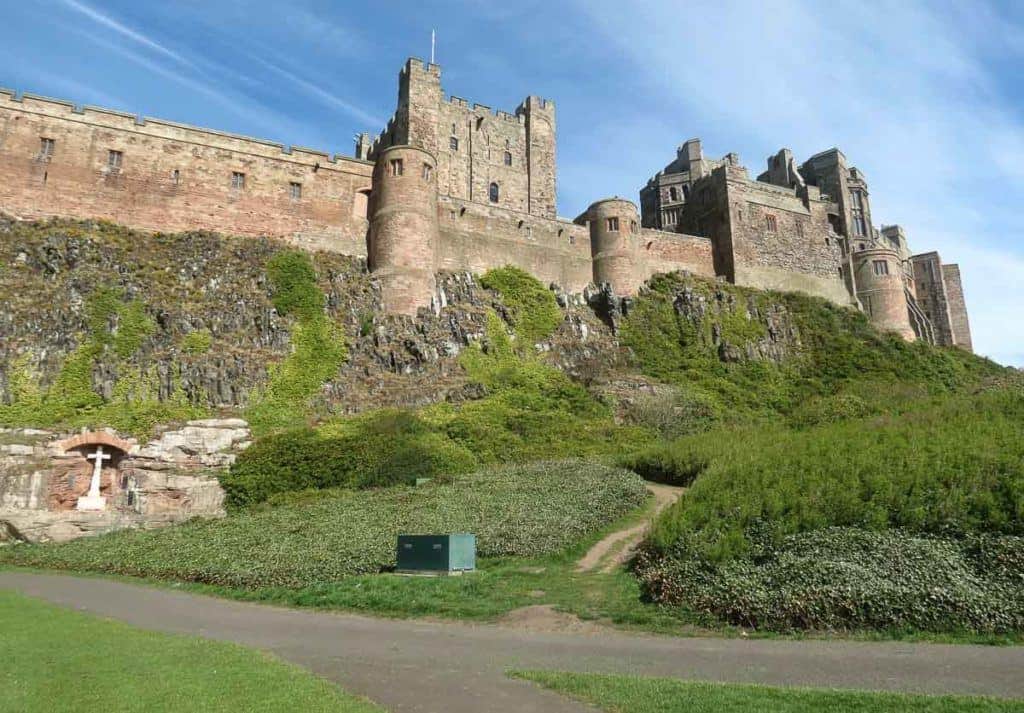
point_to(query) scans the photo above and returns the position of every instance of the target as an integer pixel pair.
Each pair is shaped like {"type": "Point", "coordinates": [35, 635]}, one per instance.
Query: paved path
{"type": "Point", "coordinates": [623, 543]}
{"type": "Point", "coordinates": [454, 668]}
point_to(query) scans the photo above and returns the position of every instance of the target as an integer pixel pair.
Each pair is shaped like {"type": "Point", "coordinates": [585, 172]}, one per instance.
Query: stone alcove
{"type": "Point", "coordinates": [73, 469]}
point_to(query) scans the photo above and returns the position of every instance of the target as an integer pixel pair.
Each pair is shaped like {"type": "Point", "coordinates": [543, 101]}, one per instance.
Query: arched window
{"type": "Point", "coordinates": [673, 194]}
{"type": "Point", "coordinates": [508, 158]}
{"type": "Point", "coordinates": [492, 193]}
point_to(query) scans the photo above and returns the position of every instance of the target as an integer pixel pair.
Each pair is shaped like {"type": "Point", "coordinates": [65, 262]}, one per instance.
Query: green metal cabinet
{"type": "Point", "coordinates": [436, 553]}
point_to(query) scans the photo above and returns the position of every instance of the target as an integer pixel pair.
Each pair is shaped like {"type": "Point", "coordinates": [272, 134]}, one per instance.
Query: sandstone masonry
{"type": "Point", "coordinates": [454, 186]}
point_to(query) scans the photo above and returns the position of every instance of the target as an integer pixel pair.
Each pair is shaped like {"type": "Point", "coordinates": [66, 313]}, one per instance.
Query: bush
{"type": "Point", "coordinates": [532, 308]}
{"type": "Point", "coordinates": [525, 511]}
{"type": "Point", "coordinates": [844, 578]}
{"type": "Point", "coordinates": [378, 449]}
{"type": "Point", "coordinates": [954, 466]}
{"type": "Point", "coordinates": [674, 412]}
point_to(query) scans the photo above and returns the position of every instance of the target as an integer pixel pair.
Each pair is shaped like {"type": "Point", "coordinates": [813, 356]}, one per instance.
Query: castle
{"type": "Point", "coordinates": [454, 186]}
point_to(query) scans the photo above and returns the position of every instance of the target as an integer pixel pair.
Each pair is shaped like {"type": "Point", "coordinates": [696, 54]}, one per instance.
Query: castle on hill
{"type": "Point", "coordinates": [453, 186]}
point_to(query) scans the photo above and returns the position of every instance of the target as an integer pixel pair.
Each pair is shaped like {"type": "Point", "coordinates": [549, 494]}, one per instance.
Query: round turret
{"type": "Point", "coordinates": [403, 227]}
{"type": "Point", "coordinates": [880, 288]}
{"type": "Point", "coordinates": [614, 231]}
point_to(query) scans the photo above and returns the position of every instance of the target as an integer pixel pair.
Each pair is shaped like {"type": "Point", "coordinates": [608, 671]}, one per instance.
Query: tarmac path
{"type": "Point", "coordinates": [442, 667]}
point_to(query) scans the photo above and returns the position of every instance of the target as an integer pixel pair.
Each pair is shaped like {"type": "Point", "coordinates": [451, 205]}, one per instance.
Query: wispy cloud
{"type": "Point", "coordinates": [123, 30]}
{"type": "Point", "coordinates": [913, 101]}
{"type": "Point", "coordinates": [322, 95]}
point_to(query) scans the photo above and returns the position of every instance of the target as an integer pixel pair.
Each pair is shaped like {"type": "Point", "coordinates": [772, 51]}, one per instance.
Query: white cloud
{"type": "Point", "coordinates": [907, 90]}
{"type": "Point", "coordinates": [125, 31]}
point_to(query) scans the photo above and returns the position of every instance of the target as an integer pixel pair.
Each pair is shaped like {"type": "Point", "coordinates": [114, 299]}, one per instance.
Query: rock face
{"type": "Point", "coordinates": [169, 479]}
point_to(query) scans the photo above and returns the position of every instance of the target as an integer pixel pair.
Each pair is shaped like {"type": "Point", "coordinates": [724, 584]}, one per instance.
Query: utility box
{"type": "Point", "coordinates": [436, 554]}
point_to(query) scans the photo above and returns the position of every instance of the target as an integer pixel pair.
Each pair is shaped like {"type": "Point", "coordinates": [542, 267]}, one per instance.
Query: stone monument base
{"type": "Point", "coordinates": [91, 502]}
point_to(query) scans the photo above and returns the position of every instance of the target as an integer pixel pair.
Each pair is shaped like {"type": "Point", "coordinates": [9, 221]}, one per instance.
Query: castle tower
{"type": "Point", "coordinates": [614, 231]}
{"type": "Point", "coordinates": [540, 143]}
{"type": "Point", "coordinates": [403, 227]}
{"type": "Point", "coordinates": [882, 291]}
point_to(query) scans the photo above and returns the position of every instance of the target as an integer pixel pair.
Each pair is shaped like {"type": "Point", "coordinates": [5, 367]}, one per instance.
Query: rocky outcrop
{"type": "Point", "coordinates": [169, 479]}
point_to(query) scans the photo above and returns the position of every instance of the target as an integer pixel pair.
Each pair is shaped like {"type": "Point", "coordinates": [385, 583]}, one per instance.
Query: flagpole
{"type": "Point", "coordinates": [432, 47]}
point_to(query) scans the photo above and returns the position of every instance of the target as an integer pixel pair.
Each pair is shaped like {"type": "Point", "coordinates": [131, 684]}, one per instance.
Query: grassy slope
{"type": "Point", "coordinates": [322, 537]}
{"type": "Point", "coordinates": [58, 660]}
{"type": "Point", "coordinates": [628, 694]}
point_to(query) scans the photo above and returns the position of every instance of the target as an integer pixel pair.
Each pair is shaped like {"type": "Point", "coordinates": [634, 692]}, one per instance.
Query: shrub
{"type": "Point", "coordinates": [532, 308]}
{"type": "Point", "coordinates": [674, 412]}
{"type": "Point", "coordinates": [845, 578]}
{"type": "Point", "coordinates": [197, 342]}
{"type": "Point", "coordinates": [954, 466]}
{"type": "Point", "coordinates": [518, 511]}
{"type": "Point", "coordinates": [378, 449]}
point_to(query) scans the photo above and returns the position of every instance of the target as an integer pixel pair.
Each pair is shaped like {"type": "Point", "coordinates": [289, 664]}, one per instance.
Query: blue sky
{"type": "Point", "coordinates": [927, 98]}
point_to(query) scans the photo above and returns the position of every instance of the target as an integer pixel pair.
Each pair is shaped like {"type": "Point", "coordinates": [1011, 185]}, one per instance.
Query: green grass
{"type": "Point", "coordinates": [59, 660]}
{"type": "Point", "coordinates": [531, 306]}
{"type": "Point", "coordinates": [632, 694]}
{"type": "Point", "coordinates": [950, 467]}
{"type": "Point", "coordinates": [323, 537]}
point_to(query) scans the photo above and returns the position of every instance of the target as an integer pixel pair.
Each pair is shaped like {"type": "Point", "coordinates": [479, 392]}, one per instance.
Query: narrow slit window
{"type": "Point", "coordinates": [508, 158]}
{"type": "Point", "coordinates": [176, 177]}
{"type": "Point", "coordinates": [114, 160]}
{"type": "Point", "coordinates": [494, 193]}
{"type": "Point", "coordinates": [237, 180]}
{"type": "Point", "coordinates": [295, 191]}
{"type": "Point", "coordinates": [453, 143]}
{"type": "Point", "coordinates": [771, 223]}
{"type": "Point", "coordinates": [428, 172]}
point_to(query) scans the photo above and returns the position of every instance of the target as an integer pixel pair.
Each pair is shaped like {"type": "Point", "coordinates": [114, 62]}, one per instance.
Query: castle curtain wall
{"type": "Point", "coordinates": [173, 177]}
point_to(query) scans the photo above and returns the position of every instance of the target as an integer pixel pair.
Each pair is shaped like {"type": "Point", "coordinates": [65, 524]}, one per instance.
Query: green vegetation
{"type": "Point", "coordinates": [322, 537]}
{"type": "Point", "coordinates": [634, 694]}
{"type": "Point", "coordinates": [59, 660]}
{"type": "Point", "coordinates": [198, 342]}
{"type": "Point", "coordinates": [380, 448]}
{"type": "Point", "coordinates": [117, 327]}
{"type": "Point", "coordinates": [318, 349]}
{"type": "Point", "coordinates": [834, 352]}
{"type": "Point", "coordinates": [531, 411]}
{"type": "Point", "coordinates": [913, 521]}
{"type": "Point", "coordinates": [531, 307]}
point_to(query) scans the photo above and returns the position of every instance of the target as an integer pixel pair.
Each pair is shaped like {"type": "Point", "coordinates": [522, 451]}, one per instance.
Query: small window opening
{"type": "Point", "coordinates": [114, 160]}
{"type": "Point", "coordinates": [397, 167]}
{"type": "Point", "coordinates": [771, 223]}
{"type": "Point", "coordinates": [881, 267]}
{"type": "Point", "coordinates": [237, 180]}
{"type": "Point", "coordinates": [673, 194]}
{"type": "Point", "coordinates": [686, 192]}
{"type": "Point", "coordinates": [613, 225]}
{"type": "Point", "coordinates": [428, 171]}
{"type": "Point", "coordinates": [176, 176]}
{"type": "Point", "coordinates": [508, 144]}
{"type": "Point", "coordinates": [508, 158]}
{"type": "Point", "coordinates": [493, 193]}
{"type": "Point", "coordinates": [453, 143]}
{"type": "Point", "coordinates": [46, 147]}
{"type": "Point", "coordinates": [632, 226]}
{"type": "Point", "coordinates": [295, 191]}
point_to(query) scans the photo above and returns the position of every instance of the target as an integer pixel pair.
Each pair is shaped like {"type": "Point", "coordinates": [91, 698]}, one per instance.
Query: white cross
{"type": "Point", "coordinates": [97, 469]}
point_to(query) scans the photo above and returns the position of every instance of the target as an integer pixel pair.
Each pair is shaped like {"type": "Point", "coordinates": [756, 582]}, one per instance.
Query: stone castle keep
{"type": "Point", "coordinates": [454, 186]}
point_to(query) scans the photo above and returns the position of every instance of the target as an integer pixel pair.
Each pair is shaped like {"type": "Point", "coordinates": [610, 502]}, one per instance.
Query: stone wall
{"type": "Point", "coordinates": [932, 296]}
{"type": "Point", "coordinates": [169, 479]}
{"type": "Point", "coordinates": [173, 177]}
{"type": "Point", "coordinates": [766, 236]}
{"type": "Point", "coordinates": [957, 307]}
{"type": "Point", "coordinates": [476, 146]}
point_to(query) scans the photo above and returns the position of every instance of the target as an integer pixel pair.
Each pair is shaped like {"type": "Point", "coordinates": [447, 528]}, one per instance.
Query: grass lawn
{"type": "Point", "coordinates": [630, 694]}
{"type": "Point", "coordinates": [58, 660]}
